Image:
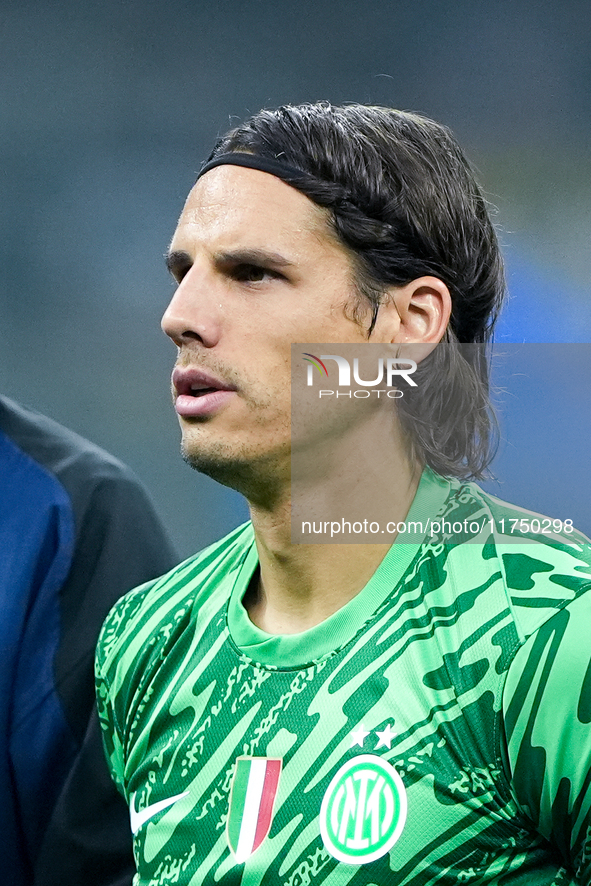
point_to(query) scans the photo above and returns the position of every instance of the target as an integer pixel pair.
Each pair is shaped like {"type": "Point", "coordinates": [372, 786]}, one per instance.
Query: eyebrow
{"type": "Point", "coordinates": [178, 260]}
{"type": "Point", "coordinates": [253, 257]}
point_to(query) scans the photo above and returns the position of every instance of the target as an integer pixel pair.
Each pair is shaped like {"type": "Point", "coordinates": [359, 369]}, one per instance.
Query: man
{"type": "Point", "coordinates": [362, 713]}
{"type": "Point", "coordinates": [76, 531]}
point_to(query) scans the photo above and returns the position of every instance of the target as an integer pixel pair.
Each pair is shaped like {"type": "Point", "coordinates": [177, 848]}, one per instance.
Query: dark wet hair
{"type": "Point", "coordinates": [404, 200]}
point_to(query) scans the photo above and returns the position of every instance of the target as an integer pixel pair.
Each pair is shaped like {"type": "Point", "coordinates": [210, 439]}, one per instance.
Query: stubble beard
{"type": "Point", "coordinates": [251, 468]}
{"type": "Point", "coordinates": [229, 469]}
{"type": "Point", "coordinates": [257, 476]}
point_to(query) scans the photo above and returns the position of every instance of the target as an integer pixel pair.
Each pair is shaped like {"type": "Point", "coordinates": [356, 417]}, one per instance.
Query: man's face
{"type": "Point", "coordinates": [258, 269]}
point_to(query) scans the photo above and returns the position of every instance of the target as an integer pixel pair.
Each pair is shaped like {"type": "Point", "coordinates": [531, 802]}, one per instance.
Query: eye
{"type": "Point", "coordinates": [252, 273]}
{"type": "Point", "coordinates": [177, 279]}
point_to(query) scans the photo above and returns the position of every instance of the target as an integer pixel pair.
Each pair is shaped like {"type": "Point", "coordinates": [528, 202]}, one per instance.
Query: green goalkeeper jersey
{"type": "Point", "coordinates": [435, 730]}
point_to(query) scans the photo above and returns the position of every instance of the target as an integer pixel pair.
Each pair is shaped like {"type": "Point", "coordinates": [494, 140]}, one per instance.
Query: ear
{"type": "Point", "coordinates": [416, 312]}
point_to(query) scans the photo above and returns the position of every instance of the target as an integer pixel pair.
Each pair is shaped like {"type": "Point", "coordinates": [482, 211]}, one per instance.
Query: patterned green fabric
{"type": "Point", "coordinates": [437, 729]}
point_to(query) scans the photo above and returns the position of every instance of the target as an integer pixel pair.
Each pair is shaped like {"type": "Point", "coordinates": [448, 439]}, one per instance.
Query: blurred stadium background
{"type": "Point", "coordinates": [107, 111]}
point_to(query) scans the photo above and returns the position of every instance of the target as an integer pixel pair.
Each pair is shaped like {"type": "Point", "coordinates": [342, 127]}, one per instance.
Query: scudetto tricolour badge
{"type": "Point", "coordinates": [254, 788]}
{"type": "Point", "coordinates": [363, 810]}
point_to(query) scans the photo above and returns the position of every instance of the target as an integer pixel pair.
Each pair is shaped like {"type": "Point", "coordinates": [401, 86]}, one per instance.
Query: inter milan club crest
{"type": "Point", "coordinates": [252, 798]}
{"type": "Point", "coordinates": [363, 810]}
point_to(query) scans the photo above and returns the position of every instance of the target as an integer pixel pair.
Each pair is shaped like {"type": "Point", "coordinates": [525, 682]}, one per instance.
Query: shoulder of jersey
{"type": "Point", "coordinates": [524, 522]}
{"type": "Point", "coordinates": [546, 562]}
{"type": "Point", "coordinates": [198, 574]}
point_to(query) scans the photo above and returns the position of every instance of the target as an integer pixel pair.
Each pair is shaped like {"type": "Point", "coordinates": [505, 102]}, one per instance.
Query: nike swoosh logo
{"type": "Point", "coordinates": [138, 819]}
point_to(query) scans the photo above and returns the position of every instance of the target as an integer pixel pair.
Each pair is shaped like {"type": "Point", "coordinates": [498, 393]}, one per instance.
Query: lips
{"type": "Point", "coordinates": [198, 393]}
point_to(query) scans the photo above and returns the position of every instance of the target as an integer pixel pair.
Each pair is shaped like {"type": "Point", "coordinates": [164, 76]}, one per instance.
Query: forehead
{"type": "Point", "coordinates": [234, 204]}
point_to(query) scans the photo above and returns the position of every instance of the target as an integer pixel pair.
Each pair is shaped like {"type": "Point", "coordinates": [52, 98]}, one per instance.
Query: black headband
{"type": "Point", "coordinates": [289, 174]}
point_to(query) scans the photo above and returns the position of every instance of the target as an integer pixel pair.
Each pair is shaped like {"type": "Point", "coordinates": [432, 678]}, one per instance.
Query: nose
{"type": "Point", "coordinates": [193, 313]}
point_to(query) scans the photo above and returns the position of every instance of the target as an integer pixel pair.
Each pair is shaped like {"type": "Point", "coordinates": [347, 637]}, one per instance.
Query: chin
{"type": "Point", "coordinates": [218, 466]}
{"type": "Point", "coordinates": [251, 475]}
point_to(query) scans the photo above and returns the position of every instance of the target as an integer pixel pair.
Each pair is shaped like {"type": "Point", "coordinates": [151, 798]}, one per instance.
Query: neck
{"type": "Point", "coordinates": [300, 585]}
